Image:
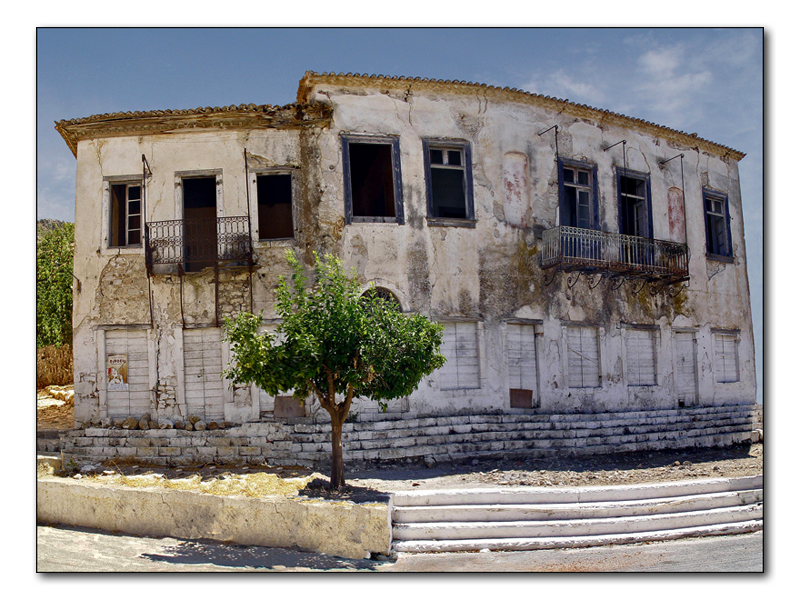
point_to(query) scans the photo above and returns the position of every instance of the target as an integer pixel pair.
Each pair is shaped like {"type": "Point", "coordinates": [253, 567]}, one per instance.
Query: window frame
{"type": "Point", "coordinates": [716, 196]}
{"type": "Point", "coordinates": [566, 163]}
{"type": "Point", "coordinates": [108, 183]}
{"type": "Point", "coordinates": [397, 179]}
{"type": "Point", "coordinates": [647, 199]}
{"type": "Point", "coordinates": [255, 216]}
{"type": "Point", "coordinates": [465, 148]}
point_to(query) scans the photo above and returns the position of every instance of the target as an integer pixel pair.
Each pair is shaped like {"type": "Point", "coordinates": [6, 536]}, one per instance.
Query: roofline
{"type": "Point", "coordinates": [243, 116]}
{"type": "Point", "coordinates": [691, 140]}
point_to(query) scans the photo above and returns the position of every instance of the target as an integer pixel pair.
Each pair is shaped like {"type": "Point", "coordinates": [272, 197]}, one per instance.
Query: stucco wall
{"type": "Point", "coordinates": [488, 274]}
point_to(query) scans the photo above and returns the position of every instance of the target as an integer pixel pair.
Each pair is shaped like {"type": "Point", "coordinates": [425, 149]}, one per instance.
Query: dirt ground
{"type": "Point", "coordinates": [371, 482]}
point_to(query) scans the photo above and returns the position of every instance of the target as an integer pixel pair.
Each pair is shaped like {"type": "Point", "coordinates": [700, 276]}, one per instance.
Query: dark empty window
{"type": "Point", "coordinates": [274, 206]}
{"type": "Point", "coordinates": [634, 202]}
{"type": "Point", "coordinates": [718, 227]}
{"type": "Point", "coordinates": [578, 196]}
{"type": "Point", "coordinates": [125, 227]}
{"type": "Point", "coordinates": [199, 222]}
{"type": "Point", "coordinates": [449, 179]}
{"type": "Point", "coordinates": [372, 179]}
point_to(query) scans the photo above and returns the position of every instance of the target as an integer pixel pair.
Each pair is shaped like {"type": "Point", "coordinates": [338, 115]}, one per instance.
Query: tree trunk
{"type": "Point", "coordinates": [337, 459]}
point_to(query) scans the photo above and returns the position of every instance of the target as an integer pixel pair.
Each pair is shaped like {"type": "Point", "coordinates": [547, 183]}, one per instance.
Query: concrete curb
{"type": "Point", "coordinates": [342, 529]}
{"type": "Point", "coordinates": [551, 518]}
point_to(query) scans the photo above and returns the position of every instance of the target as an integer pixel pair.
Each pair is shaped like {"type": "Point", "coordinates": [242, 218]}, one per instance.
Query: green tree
{"type": "Point", "coordinates": [335, 344]}
{"type": "Point", "coordinates": [54, 253]}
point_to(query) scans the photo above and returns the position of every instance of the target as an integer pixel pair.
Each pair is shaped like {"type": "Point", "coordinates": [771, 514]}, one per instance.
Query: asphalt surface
{"type": "Point", "coordinates": [90, 551]}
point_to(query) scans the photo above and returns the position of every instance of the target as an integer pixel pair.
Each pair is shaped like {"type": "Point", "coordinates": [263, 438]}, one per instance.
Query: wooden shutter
{"type": "Point", "coordinates": [583, 368]}
{"type": "Point", "coordinates": [685, 367]}
{"type": "Point", "coordinates": [135, 401]}
{"type": "Point", "coordinates": [202, 355]}
{"type": "Point", "coordinates": [725, 353]}
{"type": "Point", "coordinates": [640, 357]}
{"type": "Point", "coordinates": [521, 357]}
{"type": "Point", "coordinates": [460, 347]}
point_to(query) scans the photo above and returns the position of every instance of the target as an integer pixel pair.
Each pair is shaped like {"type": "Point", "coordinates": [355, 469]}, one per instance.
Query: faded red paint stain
{"type": "Point", "coordinates": [677, 215]}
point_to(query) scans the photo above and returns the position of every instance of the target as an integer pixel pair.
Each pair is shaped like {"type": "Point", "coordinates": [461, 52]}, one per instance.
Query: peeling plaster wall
{"type": "Point", "coordinates": [488, 274]}
{"type": "Point", "coordinates": [491, 273]}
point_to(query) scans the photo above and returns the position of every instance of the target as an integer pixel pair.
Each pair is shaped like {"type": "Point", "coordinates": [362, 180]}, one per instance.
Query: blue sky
{"type": "Point", "coordinates": [707, 81]}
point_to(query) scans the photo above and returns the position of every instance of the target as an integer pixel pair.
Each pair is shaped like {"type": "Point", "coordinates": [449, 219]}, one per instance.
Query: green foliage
{"type": "Point", "coordinates": [333, 341]}
{"type": "Point", "coordinates": [54, 286]}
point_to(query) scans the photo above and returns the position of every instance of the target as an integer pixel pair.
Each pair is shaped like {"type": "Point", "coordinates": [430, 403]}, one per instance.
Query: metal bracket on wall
{"type": "Point", "coordinates": [594, 280]}
{"type": "Point", "coordinates": [551, 279]}
{"type": "Point", "coordinates": [618, 282]}
{"type": "Point", "coordinates": [573, 279]}
{"type": "Point", "coordinates": [673, 292]}
{"type": "Point", "coordinates": [641, 287]}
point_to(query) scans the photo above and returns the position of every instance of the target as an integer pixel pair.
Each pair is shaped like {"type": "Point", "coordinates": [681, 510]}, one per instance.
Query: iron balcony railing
{"type": "Point", "coordinates": [198, 243]}
{"type": "Point", "coordinates": [573, 248]}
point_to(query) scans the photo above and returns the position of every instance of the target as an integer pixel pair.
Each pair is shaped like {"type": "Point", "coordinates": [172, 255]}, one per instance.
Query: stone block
{"type": "Point", "coordinates": [151, 451]}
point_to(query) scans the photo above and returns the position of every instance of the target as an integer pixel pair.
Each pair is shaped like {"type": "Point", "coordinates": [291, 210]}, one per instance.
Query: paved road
{"type": "Point", "coordinates": [84, 550]}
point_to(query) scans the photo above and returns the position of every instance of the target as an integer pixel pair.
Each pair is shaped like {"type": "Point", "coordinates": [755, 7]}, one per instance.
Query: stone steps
{"type": "Point", "coordinates": [535, 436]}
{"type": "Point", "coordinates": [445, 438]}
{"type": "Point", "coordinates": [530, 518]}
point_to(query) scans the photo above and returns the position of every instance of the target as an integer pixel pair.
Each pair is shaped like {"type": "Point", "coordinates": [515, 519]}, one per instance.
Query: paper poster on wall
{"type": "Point", "coordinates": [117, 372]}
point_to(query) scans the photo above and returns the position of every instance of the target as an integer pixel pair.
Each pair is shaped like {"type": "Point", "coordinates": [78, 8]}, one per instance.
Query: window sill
{"type": "Point", "coordinates": [445, 222]}
{"type": "Point", "coordinates": [372, 220]}
{"type": "Point", "coordinates": [112, 250]}
{"type": "Point", "coordinates": [720, 258]}
{"type": "Point", "coordinates": [276, 243]}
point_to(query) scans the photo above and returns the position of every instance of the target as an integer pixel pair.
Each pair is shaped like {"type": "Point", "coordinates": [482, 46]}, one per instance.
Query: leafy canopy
{"type": "Point", "coordinates": [333, 340]}
{"type": "Point", "coordinates": [54, 252]}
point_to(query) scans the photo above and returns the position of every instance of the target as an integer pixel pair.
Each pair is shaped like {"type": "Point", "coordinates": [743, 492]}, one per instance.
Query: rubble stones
{"type": "Point", "coordinates": [199, 426]}
{"type": "Point", "coordinates": [130, 423]}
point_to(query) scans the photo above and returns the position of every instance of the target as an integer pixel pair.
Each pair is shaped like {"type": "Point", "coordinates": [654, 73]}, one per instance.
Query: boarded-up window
{"type": "Point", "coordinates": [640, 356]}
{"type": "Point", "coordinates": [202, 357]}
{"type": "Point", "coordinates": [460, 347]}
{"type": "Point", "coordinates": [583, 366]}
{"type": "Point", "coordinates": [726, 358]}
{"type": "Point", "coordinates": [128, 374]}
{"type": "Point", "coordinates": [521, 344]}
{"type": "Point", "coordinates": [274, 206]}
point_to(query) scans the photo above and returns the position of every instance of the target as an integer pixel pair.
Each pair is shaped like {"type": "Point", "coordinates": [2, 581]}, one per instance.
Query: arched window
{"type": "Point", "coordinates": [383, 293]}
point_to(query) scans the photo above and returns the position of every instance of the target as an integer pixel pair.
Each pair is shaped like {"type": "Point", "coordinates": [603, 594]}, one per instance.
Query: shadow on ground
{"type": "Point", "coordinates": [255, 557]}
{"type": "Point", "coordinates": [624, 461]}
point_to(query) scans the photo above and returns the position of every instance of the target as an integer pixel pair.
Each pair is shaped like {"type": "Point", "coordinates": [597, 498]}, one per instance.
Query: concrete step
{"type": "Point", "coordinates": [607, 493]}
{"type": "Point", "coordinates": [529, 517]}
{"type": "Point", "coordinates": [540, 512]}
{"type": "Point", "coordinates": [452, 530]}
{"type": "Point", "coordinates": [543, 543]}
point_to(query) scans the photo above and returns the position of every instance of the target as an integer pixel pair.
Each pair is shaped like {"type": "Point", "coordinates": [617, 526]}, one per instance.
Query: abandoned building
{"type": "Point", "coordinates": [589, 269]}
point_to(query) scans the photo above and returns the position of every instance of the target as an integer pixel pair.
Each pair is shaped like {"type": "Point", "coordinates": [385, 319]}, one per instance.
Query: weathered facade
{"type": "Point", "coordinates": [581, 261]}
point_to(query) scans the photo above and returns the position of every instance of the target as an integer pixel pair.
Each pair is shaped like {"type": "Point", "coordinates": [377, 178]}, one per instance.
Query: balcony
{"type": "Point", "coordinates": [195, 244]}
{"type": "Point", "coordinates": [614, 255]}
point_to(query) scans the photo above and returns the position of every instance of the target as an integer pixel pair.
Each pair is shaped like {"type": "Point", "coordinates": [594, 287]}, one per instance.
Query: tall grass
{"type": "Point", "coordinates": [53, 366]}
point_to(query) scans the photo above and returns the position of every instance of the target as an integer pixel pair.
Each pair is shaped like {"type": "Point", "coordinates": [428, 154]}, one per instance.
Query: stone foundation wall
{"type": "Point", "coordinates": [306, 442]}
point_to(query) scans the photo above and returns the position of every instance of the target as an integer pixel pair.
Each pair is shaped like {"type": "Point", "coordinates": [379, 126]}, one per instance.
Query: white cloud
{"type": "Point", "coordinates": [582, 90]}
